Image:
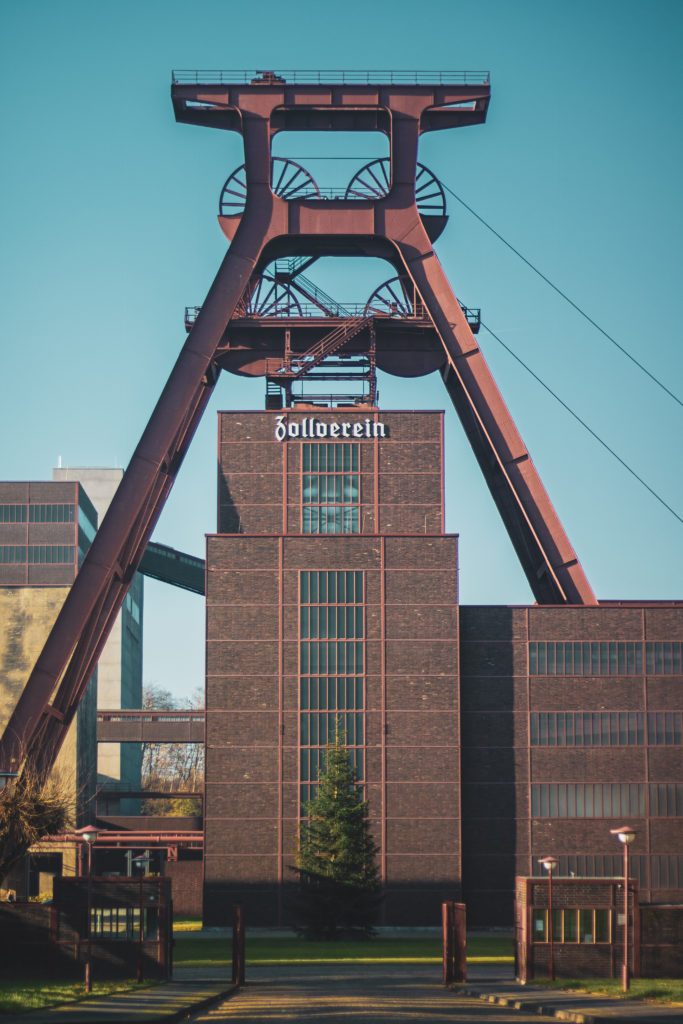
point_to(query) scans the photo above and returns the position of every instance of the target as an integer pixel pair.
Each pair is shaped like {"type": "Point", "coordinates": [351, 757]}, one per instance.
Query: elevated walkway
{"type": "Point", "coordinates": [125, 726]}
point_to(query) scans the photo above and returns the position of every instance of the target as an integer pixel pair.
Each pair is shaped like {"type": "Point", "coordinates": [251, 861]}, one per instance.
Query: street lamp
{"type": "Point", "coordinates": [89, 834]}
{"type": "Point", "coordinates": [625, 835]}
{"type": "Point", "coordinates": [550, 864]}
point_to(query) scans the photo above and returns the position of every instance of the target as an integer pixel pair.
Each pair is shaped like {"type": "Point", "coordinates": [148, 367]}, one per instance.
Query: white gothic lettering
{"type": "Point", "coordinates": [310, 427]}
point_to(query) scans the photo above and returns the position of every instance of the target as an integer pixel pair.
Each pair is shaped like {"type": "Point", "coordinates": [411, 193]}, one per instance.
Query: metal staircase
{"type": "Point", "coordinates": [327, 346]}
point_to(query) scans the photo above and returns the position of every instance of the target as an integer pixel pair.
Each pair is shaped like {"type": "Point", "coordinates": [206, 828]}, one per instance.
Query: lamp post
{"type": "Point", "coordinates": [89, 834]}
{"type": "Point", "coordinates": [625, 835]}
{"type": "Point", "coordinates": [550, 864]}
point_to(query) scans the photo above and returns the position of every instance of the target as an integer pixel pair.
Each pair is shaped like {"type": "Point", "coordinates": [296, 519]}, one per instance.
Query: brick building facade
{"type": "Point", "coordinates": [486, 737]}
{"type": "Point", "coordinates": [571, 716]}
{"type": "Point", "coordinates": [331, 596]}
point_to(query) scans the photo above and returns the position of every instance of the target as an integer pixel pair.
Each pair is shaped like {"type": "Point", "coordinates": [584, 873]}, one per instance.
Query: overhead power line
{"type": "Point", "coordinates": [566, 297]}
{"type": "Point", "coordinates": [584, 424]}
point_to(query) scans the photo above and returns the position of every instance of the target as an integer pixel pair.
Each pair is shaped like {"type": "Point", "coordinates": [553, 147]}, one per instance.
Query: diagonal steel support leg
{"type": "Point", "coordinates": [549, 561]}
{"type": "Point", "coordinates": [50, 698]}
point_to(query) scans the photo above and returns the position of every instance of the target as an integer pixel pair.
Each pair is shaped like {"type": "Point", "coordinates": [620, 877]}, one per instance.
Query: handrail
{"type": "Point", "coordinates": [327, 346]}
{"type": "Point", "coordinates": [310, 311]}
{"type": "Point", "coordinates": [325, 302]}
{"type": "Point", "coordinates": [331, 77]}
{"type": "Point", "coordinates": [143, 715]}
{"type": "Point", "coordinates": [131, 838]}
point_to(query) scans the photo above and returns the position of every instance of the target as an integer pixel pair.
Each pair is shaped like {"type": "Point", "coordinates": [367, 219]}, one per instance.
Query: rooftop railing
{"type": "Point", "coordinates": [310, 311]}
{"type": "Point", "coordinates": [330, 77]}
{"type": "Point", "coordinates": [149, 715]}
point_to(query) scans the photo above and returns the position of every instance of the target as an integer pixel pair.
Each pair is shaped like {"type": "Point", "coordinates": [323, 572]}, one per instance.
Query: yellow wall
{"type": "Point", "coordinates": [26, 617]}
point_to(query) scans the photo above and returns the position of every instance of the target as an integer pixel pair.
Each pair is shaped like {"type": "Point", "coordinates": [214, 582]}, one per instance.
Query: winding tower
{"type": "Point", "coordinates": [263, 316]}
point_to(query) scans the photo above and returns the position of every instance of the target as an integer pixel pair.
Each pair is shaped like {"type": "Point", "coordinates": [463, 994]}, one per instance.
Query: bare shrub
{"type": "Point", "coordinates": [31, 809]}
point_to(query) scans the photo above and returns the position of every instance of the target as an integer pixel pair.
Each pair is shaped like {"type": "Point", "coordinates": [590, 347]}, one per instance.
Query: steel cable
{"type": "Point", "coordinates": [566, 297]}
{"type": "Point", "coordinates": [583, 423]}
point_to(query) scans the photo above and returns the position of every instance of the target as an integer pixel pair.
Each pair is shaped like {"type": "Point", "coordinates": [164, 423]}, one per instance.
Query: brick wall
{"type": "Point", "coordinates": [500, 838]}
{"type": "Point", "coordinates": [187, 879]}
{"type": "Point", "coordinates": [411, 666]}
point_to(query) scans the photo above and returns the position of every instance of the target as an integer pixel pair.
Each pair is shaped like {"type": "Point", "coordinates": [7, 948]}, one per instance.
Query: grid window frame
{"type": "Point", "coordinates": [596, 865]}
{"type": "Point", "coordinates": [13, 512]}
{"type": "Point", "coordinates": [587, 728]}
{"type": "Point", "coordinates": [51, 554]}
{"type": "Point", "coordinates": [52, 512]}
{"type": "Point", "coordinates": [13, 554]}
{"type": "Point", "coordinates": [331, 671]}
{"type": "Point", "coordinates": [575, 926]}
{"type": "Point", "coordinates": [588, 799]}
{"type": "Point", "coordinates": [605, 658]}
{"type": "Point", "coordinates": [330, 488]}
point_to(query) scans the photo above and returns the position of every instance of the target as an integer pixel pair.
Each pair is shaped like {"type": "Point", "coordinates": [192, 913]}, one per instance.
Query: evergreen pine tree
{"type": "Point", "coordinates": [339, 892]}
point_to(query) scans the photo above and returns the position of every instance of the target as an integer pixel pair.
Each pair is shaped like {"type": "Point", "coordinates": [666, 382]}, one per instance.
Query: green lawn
{"type": "Point", "coordinates": [34, 995]}
{"type": "Point", "coordinates": [658, 990]}
{"type": "Point", "coordinates": [187, 924]}
{"type": "Point", "coordinates": [192, 951]}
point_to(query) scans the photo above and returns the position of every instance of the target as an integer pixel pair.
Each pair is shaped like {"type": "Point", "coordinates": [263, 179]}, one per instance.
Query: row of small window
{"type": "Point", "coordinates": [330, 488]}
{"type": "Point", "coordinates": [123, 923]}
{"type": "Point", "coordinates": [312, 761]}
{"type": "Point", "coordinates": [37, 554]}
{"type": "Point", "coordinates": [331, 693]}
{"type": "Point", "coordinates": [595, 865]}
{"type": "Point", "coordinates": [606, 800]}
{"type": "Point", "coordinates": [573, 925]}
{"type": "Point", "coordinates": [336, 587]}
{"type": "Point", "coordinates": [321, 729]}
{"type": "Point", "coordinates": [666, 870]}
{"type": "Point", "coordinates": [331, 458]}
{"type": "Point", "coordinates": [331, 622]}
{"type": "Point", "coordinates": [336, 657]}
{"type": "Point", "coordinates": [605, 728]}
{"type": "Point", "coordinates": [605, 658]}
{"type": "Point", "coordinates": [325, 519]}
{"type": "Point", "coordinates": [61, 513]}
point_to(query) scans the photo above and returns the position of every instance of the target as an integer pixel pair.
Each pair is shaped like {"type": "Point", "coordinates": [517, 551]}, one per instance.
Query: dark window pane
{"type": "Point", "coordinates": [602, 929]}
{"type": "Point", "coordinates": [586, 926]}
{"type": "Point", "coordinates": [570, 925]}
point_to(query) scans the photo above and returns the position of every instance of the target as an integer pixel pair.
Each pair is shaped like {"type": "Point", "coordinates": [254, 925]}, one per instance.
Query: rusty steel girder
{"type": "Point", "coordinates": [269, 227]}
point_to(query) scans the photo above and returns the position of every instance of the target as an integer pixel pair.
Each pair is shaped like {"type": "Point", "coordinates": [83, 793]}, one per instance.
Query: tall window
{"type": "Point", "coordinates": [332, 662]}
{"type": "Point", "coordinates": [331, 488]}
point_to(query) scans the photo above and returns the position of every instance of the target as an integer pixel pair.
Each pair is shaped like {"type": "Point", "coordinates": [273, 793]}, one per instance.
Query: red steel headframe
{"type": "Point", "coordinates": [269, 227]}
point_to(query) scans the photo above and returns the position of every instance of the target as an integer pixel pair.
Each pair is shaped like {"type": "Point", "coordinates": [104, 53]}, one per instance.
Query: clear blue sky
{"type": "Point", "coordinates": [108, 226]}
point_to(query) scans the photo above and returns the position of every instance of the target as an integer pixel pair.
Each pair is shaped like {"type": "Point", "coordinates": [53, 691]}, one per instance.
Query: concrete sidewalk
{"type": "Point", "coordinates": [579, 1007]}
{"type": "Point", "coordinates": [162, 1004]}
{"type": "Point", "coordinates": [378, 993]}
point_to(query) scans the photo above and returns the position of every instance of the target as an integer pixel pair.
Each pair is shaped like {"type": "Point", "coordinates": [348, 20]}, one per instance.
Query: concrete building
{"type": "Point", "coordinates": [119, 671]}
{"type": "Point", "coordinates": [45, 530]}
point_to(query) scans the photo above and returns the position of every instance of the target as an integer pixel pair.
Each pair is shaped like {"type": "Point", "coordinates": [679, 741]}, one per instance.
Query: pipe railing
{"type": "Point", "coordinates": [328, 77]}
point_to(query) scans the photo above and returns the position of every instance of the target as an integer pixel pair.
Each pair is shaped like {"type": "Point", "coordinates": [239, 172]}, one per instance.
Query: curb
{"type": "Point", "coordinates": [186, 1012]}
{"type": "Point", "coordinates": [542, 1010]}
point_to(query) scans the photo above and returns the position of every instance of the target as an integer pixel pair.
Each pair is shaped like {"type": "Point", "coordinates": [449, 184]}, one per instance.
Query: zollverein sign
{"type": "Point", "coordinates": [311, 428]}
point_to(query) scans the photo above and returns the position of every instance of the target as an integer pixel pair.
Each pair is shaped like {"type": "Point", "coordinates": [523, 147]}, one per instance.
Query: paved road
{"type": "Point", "coordinates": [355, 995]}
